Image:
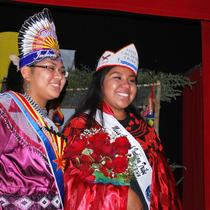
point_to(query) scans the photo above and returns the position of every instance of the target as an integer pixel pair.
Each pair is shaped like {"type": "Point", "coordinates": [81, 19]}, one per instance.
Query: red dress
{"type": "Point", "coordinates": [81, 195]}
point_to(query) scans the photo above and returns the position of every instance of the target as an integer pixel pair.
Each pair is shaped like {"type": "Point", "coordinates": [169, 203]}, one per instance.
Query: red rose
{"type": "Point", "coordinates": [102, 136]}
{"type": "Point", "coordinates": [99, 138]}
{"type": "Point", "coordinates": [96, 148]}
{"type": "Point", "coordinates": [120, 164]}
{"type": "Point", "coordinates": [75, 148]}
{"type": "Point", "coordinates": [122, 145]}
{"type": "Point", "coordinates": [107, 150]}
{"type": "Point", "coordinates": [96, 157]}
{"type": "Point", "coordinates": [122, 150]}
{"type": "Point", "coordinates": [97, 141]}
{"type": "Point", "coordinates": [122, 142]}
{"type": "Point", "coordinates": [85, 159]}
{"type": "Point", "coordinates": [108, 163]}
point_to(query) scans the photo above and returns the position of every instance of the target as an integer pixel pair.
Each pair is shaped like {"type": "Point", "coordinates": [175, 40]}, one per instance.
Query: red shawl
{"type": "Point", "coordinates": [82, 195]}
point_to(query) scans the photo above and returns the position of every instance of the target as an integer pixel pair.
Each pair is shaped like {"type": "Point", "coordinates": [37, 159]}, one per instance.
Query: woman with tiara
{"type": "Point", "coordinates": [31, 167]}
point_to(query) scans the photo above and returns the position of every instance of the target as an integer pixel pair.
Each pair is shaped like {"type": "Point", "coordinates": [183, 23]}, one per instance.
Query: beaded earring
{"type": "Point", "coordinates": [27, 87]}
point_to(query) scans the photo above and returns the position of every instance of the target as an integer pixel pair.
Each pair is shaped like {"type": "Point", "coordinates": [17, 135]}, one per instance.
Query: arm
{"type": "Point", "coordinates": [134, 201]}
{"type": "Point", "coordinates": [5, 133]}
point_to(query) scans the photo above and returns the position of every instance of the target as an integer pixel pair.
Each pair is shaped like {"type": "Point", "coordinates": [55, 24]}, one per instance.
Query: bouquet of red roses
{"type": "Point", "coordinates": [101, 158]}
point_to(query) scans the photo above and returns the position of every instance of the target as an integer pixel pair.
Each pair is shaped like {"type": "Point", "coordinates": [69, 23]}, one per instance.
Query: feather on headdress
{"type": "Point", "coordinates": [37, 39]}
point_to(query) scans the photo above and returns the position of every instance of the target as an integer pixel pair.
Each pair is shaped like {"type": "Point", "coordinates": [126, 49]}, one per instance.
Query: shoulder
{"type": "Point", "coordinates": [7, 103]}
{"type": "Point", "coordinates": [4, 97]}
{"type": "Point", "coordinates": [137, 121]}
{"type": "Point", "coordinates": [77, 122]}
{"type": "Point", "coordinates": [137, 118]}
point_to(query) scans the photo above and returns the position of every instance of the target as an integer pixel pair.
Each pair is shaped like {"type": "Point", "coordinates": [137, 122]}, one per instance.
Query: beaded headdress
{"type": "Point", "coordinates": [126, 57]}
{"type": "Point", "coordinates": [37, 39]}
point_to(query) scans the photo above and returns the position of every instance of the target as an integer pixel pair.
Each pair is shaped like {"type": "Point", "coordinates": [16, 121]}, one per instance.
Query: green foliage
{"type": "Point", "coordinates": [79, 78]}
{"type": "Point", "coordinates": [171, 84]}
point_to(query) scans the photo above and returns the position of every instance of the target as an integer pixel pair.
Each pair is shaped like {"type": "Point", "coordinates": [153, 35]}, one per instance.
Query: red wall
{"type": "Point", "coordinates": [206, 108]}
{"type": "Point", "coordinates": [193, 188]}
{"type": "Point", "coordinates": [196, 9]}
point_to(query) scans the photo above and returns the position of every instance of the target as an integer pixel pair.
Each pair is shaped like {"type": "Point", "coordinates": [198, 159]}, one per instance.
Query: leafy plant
{"type": "Point", "coordinates": [79, 78]}
{"type": "Point", "coordinates": [171, 84]}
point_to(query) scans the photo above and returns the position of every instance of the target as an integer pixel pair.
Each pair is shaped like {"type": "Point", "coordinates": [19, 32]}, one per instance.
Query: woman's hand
{"type": "Point", "coordinates": [134, 203]}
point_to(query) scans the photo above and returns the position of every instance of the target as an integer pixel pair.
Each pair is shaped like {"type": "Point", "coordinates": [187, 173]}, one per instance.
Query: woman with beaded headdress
{"type": "Point", "coordinates": [115, 160]}
{"type": "Point", "coordinates": [31, 167]}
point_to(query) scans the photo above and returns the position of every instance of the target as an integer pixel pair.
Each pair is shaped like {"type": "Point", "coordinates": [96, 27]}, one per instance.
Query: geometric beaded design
{"type": "Point", "coordinates": [3, 202]}
{"type": "Point", "coordinates": [25, 203]}
{"type": "Point", "coordinates": [56, 202]}
{"type": "Point", "coordinates": [44, 202]}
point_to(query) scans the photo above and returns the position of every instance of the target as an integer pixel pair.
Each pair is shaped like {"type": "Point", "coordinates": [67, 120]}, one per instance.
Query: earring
{"type": "Point", "coordinates": [27, 87]}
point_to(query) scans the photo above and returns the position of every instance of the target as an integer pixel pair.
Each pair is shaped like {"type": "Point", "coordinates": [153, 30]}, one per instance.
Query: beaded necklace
{"type": "Point", "coordinates": [42, 112]}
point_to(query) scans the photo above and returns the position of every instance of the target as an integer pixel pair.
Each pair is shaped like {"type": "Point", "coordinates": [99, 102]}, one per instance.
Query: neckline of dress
{"type": "Point", "coordinates": [42, 112]}
{"type": "Point", "coordinates": [125, 121]}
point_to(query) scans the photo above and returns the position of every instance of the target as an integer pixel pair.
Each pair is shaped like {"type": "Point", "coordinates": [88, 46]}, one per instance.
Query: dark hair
{"type": "Point", "coordinates": [14, 80]}
{"type": "Point", "coordinates": [94, 97]}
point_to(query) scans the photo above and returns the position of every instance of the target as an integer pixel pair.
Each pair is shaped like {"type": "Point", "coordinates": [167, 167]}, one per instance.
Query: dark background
{"type": "Point", "coordinates": [164, 44]}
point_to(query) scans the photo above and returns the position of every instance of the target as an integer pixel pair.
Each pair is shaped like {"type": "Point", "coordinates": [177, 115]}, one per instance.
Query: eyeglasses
{"type": "Point", "coordinates": [52, 69]}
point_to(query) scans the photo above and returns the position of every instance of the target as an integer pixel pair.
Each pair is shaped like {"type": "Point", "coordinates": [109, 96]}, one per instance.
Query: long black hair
{"type": "Point", "coordinates": [94, 97]}
{"type": "Point", "coordinates": [14, 80]}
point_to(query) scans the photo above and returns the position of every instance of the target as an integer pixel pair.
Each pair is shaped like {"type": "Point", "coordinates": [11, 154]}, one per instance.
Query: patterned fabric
{"type": "Point", "coordinates": [29, 202]}
{"type": "Point", "coordinates": [26, 180]}
{"type": "Point", "coordinates": [163, 196]}
{"type": "Point", "coordinates": [145, 135]}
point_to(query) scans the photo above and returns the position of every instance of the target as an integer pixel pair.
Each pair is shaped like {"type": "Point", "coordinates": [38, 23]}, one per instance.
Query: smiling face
{"type": "Point", "coordinates": [119, 90]}
{"type": "Point", "coordinates": [46, 79]}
